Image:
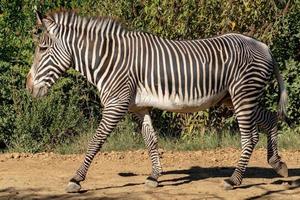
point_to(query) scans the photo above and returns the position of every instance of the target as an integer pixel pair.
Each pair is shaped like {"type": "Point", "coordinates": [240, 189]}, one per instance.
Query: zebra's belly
{"type": "Point", "coordinates": [174, 103]}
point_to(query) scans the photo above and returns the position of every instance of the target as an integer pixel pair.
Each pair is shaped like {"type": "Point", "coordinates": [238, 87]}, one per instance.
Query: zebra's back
{"type": "Point", "coordinates": [188, 75]}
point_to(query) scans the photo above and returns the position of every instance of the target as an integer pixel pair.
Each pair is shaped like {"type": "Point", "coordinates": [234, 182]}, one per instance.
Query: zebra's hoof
{"type": "Point", "coordinates": [228, 184]}
{"type": "Point", "coordinates": [151, 182]}
{"type": "Point", "coordinates": [283, 170]}
{"type": "Point", "coordinates": [73, 187]}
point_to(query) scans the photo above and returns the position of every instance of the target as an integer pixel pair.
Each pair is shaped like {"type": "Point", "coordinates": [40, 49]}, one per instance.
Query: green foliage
{"type": "Point", "coordinates": [46, 124]}
{"type": "Point", "coordinates": [124, 137]}
{"type": "Point", "coordinates": [9, 79]}
{"type": "Point", "coordinates": [291, 74]}
{"type": "Point", "coordinates": [72, 106]}
{"type": "Point", "coordinates": [286, 50]}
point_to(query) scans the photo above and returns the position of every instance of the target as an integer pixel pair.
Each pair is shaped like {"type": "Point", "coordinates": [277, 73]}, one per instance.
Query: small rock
{"type": "Point", "coordinates": [46, 155]}
{"type": "Point", "coordinates": [25, 155]}
{"type": "Point", "coordinates": [9, 156]}
{"type": "Point", "coordinates": [121, 157]}
{"type": "Point", "coordinates": [16, 155]}
{"type": "Point", "coordinates": [35, 155]}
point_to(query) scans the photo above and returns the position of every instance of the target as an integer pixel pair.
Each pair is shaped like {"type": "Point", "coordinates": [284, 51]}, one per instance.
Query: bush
{"type": "Point", "coordinates": [73, 104]}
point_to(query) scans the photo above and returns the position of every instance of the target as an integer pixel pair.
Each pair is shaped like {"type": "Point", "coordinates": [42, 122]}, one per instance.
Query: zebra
{"type": "Point", "coordinates": [135, 71]}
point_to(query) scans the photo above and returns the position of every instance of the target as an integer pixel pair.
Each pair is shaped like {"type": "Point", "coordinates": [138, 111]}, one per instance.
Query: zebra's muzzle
{"type": "Point", "coordinates": [39, 91]}
{"type": "Point", "coordinates": [36, 90]}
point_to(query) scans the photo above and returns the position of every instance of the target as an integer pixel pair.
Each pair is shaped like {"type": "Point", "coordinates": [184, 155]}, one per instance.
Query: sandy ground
{"type": "Point", "coordinates": [121, 175]}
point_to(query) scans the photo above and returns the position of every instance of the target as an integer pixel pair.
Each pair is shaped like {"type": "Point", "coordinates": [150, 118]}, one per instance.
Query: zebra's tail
{"type": "Point", "coordinates": [283, 97]}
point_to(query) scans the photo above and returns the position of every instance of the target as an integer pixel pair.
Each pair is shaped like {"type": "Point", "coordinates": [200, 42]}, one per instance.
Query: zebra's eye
{"type": "Point", "coordinates": [37, 31]}
{"type": "Point", "coordinates": [42, 48]}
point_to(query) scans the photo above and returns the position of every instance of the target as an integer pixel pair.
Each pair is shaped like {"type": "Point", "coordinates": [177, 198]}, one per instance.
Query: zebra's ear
{"type": "Point", "coordinates": [39, 18]}
{"type": "Point", "coordinates": [43, 21]}
{"type": "Point", "coordinates": [47, 23]}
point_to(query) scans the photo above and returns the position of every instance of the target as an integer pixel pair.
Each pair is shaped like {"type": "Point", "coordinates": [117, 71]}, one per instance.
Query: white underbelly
{"type": "Point", "coordinates": [175, 103]}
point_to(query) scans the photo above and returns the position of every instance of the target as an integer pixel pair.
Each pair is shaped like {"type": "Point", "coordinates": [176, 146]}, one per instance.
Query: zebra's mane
{"type": "Point", "coordinates": [69, 17]}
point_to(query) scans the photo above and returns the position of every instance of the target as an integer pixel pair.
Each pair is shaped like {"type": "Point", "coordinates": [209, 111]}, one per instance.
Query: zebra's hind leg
{"type": "Point", "coordinates": [245, 111]}
{"type": "Point", "coordinates": [111, 115]}
{"type": "Point", "coordinates": [268, 121]}
{"type": "Point", "coordinates": [249, 140]}
{"type": "Point", "coordinates": [150, 138]}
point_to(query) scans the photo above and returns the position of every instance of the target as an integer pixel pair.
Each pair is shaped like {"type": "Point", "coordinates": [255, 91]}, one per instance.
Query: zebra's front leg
{"type": "Point", "coordinates": [112, 114]}
{"type": "Point", "coordinates": [150, 138]}
{"type": "Point", "coordinates": [268, 120]}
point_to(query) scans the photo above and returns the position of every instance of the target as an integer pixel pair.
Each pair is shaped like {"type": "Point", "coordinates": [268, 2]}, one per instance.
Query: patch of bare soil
{"type": "Point", "coordinates": [121, 175]}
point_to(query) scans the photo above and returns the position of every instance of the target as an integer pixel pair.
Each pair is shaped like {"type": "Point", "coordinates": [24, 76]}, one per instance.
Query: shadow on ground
{"type": "Point", "coordinates": [198, 173]}
{"type": "Point", "coordinates": [37, 193]}
{"type": "Point", "coordinates": [185, 176]}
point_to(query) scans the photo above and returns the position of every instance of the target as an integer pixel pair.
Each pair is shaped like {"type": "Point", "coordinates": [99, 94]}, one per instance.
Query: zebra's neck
{"type": "Point", "coordinates": [93, 42]}
{"type": "Point", "coordinates": [93, 47]}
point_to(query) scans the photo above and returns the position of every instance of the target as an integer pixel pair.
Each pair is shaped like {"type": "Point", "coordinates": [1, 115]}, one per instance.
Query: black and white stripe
{"type": "Point", "coordinates": [135, 71]}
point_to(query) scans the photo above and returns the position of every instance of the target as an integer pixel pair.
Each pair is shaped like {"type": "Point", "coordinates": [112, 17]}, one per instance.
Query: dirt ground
{"type": "Point", "coordinates": [121, 175]}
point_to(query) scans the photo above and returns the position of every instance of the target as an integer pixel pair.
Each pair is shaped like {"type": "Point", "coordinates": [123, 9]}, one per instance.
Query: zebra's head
{"type": "Point", "coordinates": [51, 58]}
